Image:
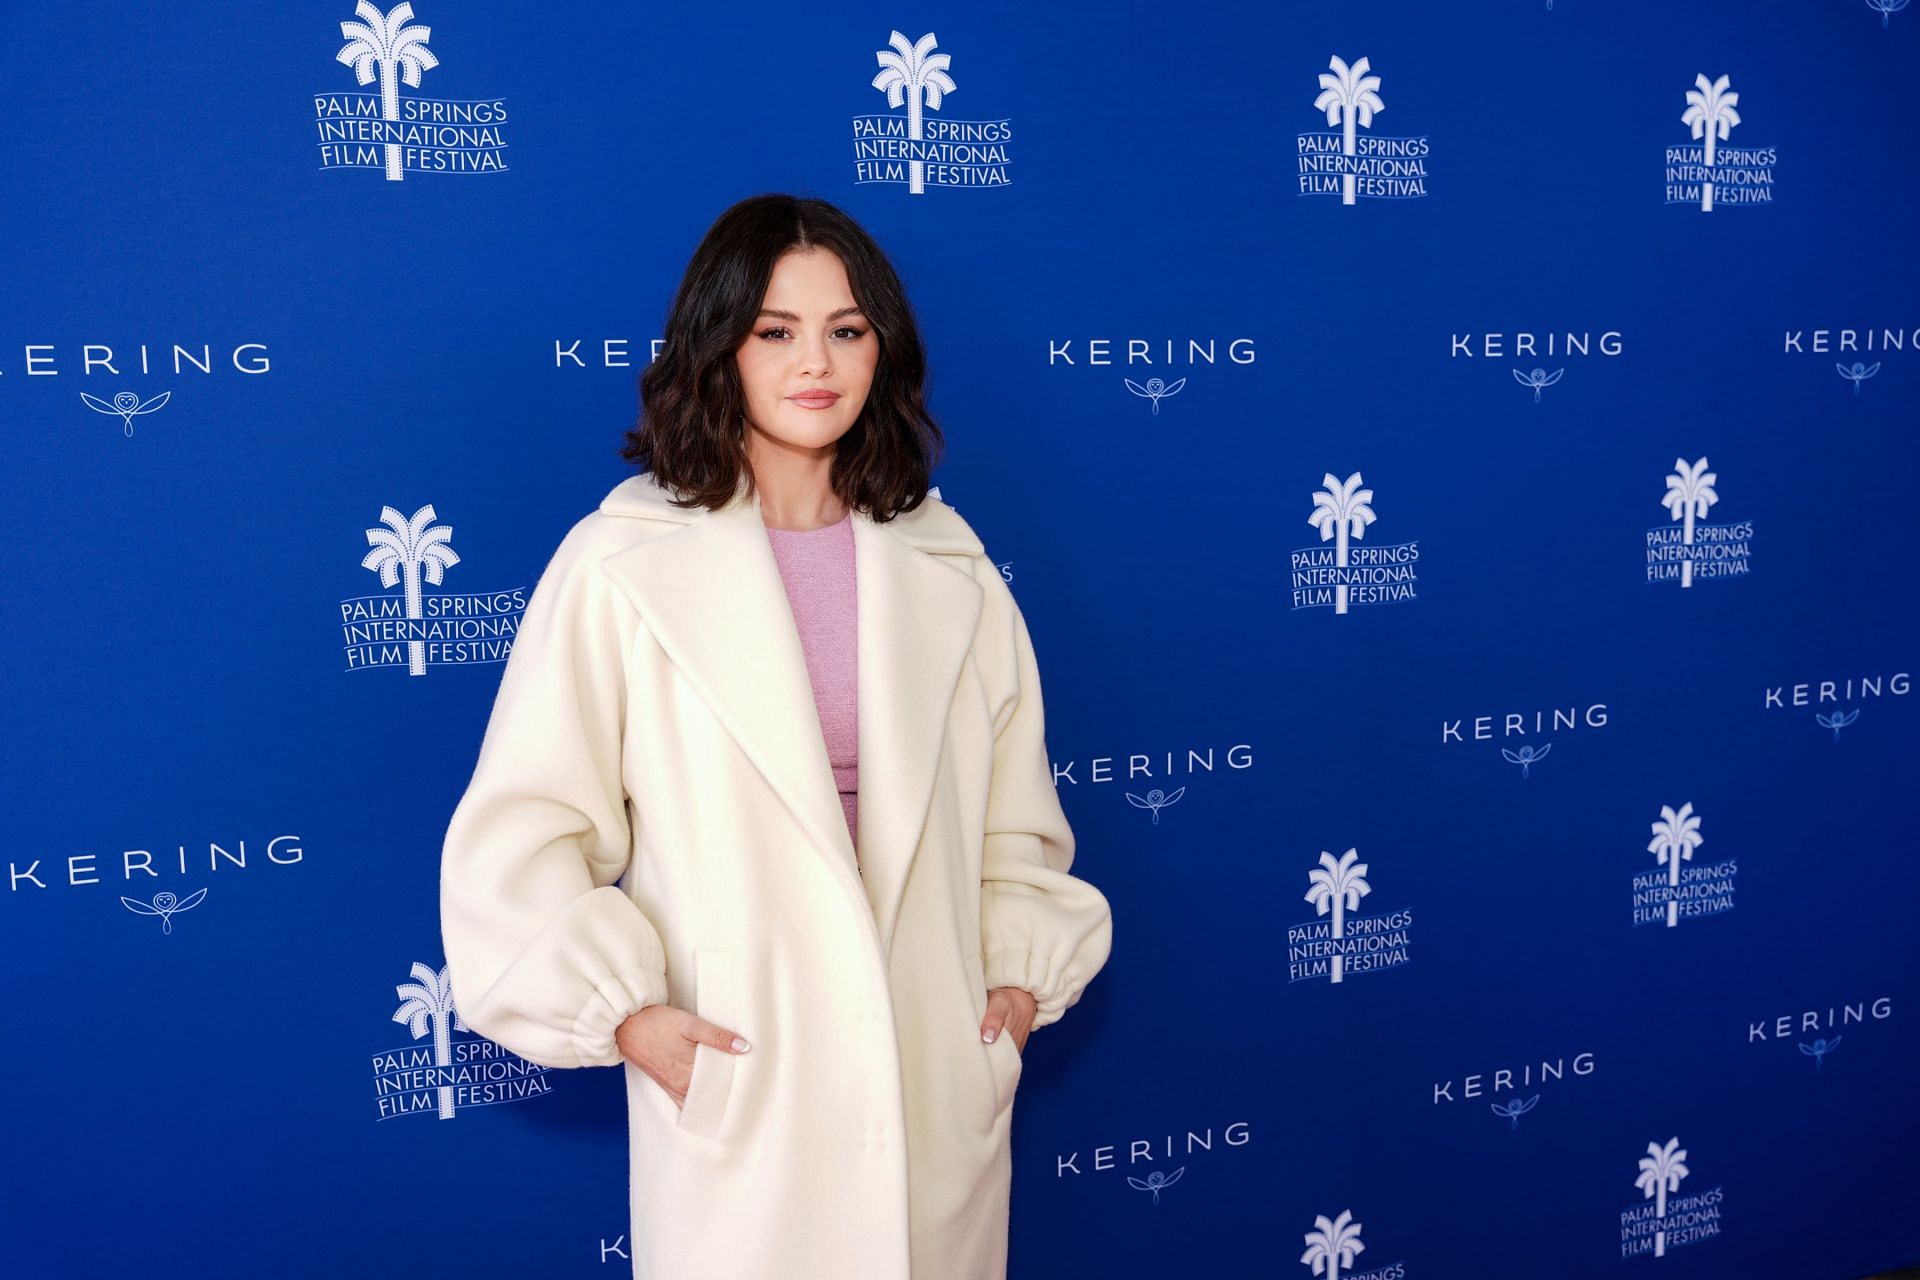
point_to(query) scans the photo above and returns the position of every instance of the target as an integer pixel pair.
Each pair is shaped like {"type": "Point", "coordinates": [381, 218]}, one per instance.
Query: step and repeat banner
{"type": "Point", "coordinates": [1457, 463]}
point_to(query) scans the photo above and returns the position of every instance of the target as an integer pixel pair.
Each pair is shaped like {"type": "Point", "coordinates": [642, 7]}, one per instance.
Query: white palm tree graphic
{"type": "Point", "coordinates": [1348, 97]}
{"type": "Point", "coordinates": [1886, 8]}
{"type": "Point", "coordinates": [1675, 836]}
{"type": "Point", "coordinates": [1332, 1245]}
{"type": "Point", "coordinates": [428, 1001]}
{"type": "Point", "coordinates": [1710, 113]}
{"type": "Point", "coordinates": [906, 75]}
{"type": "Point", "coordinates": [399, 52]}
{"type": "Point", "coordinates": [1660, 1172]}
{"type": "Point", "coordinates": [1689, 494]}
{"type": "Point", "coordinates": [1339, 886]}
{"type": "Point", "coordinates": [402, 550]}
{"type": "Point", "coordinates": [1341, 510]}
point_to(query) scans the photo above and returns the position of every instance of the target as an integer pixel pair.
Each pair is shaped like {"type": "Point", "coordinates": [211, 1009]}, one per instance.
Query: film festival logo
{"type": "Point", "coordinates": [1350, 166]}
{"type": "Point", "coordinates": [1886, 9]}
{"type": "Point", "coordinates": [1672, 1219]}
{"type": "Point", "coordinates": [416, 628]}
{"type": "Point", "coordinates": [1333, 948]}
{"type": "Point", "coordinates": [921, 152]}
{"type": "Point", "coordinates": [1343, 574]}
{"type": "Point", "coordinates": [1667, 895]}
{"type": "Point", "coordinates": [1695, 549]}
{"type": "Point", "coordinates": [1005, 567]}
{"type": "Point", "coordinates": [403, 135]}
{"type": "Point", "coordinates": [1708, 175]}
{"type": "Point", "coordinates": [451, 1073]}
{"type": "Point", "coordinates": [1332, 1246]}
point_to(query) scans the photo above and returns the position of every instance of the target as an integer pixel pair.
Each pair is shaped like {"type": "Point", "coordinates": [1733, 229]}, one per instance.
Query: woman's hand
{"type": "Point", "coordinates": [1009, 1010]}
{"type": "Point", "coordinates": [660, 1040]}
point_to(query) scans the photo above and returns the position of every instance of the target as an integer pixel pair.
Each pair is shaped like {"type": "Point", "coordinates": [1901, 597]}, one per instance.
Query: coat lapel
{"type": "Point", "coordinates": [712, 596]}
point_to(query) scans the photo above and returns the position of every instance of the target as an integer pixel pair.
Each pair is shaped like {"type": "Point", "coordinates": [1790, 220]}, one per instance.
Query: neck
{"type": "Point", "coordinates": [793, 487]}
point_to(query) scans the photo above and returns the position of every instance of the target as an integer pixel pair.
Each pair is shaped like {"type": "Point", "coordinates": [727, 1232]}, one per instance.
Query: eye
{"type": "Point", "coordinates": [853, 332]}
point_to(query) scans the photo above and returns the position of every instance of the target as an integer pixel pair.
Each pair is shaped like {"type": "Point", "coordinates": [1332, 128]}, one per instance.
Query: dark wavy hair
{"type": "Point", "coordinates": [690, 433]}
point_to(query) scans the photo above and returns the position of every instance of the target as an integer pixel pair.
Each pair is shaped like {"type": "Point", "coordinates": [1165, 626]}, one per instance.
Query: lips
{"type": "Point", "coordinates": [815, 399]}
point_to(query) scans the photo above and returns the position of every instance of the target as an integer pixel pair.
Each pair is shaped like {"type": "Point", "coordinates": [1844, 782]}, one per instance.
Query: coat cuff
{"type": "Point", "coordinates": [558, 1002]}
{"type": "Point", "coordinates": [1055, 987]}
{"type": "Point", "coordinates": [615, 1000]}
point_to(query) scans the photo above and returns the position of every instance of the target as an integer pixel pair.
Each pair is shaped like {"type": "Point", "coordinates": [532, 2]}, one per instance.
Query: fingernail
{"type": "Point", "coordinates": [740, 1046]}
{"type": "Point", "coordinates": [988, 1036]}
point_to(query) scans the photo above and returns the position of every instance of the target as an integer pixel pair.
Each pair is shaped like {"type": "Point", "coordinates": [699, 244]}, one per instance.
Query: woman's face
{"type": "Point", "coordinates": [808, 362]}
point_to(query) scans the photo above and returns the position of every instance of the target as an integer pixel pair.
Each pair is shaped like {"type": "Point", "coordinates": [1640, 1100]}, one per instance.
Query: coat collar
{"type": "Point", "coordinates": [711, 594]}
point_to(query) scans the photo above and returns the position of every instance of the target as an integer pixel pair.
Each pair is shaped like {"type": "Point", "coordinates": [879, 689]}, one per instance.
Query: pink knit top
{"type": "Point", "coordinates": [817, 567]}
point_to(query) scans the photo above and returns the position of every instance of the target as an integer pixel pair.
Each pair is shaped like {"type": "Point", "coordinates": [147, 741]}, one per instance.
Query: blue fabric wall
{"type": "Point", "coordinates": [1170, 357]}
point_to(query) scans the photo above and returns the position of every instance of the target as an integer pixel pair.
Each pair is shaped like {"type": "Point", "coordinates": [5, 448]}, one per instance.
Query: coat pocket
{"type": "Point", "coordinates": [1004, 1060]}
{"type": "Point", "coordinates": [712, 1081]}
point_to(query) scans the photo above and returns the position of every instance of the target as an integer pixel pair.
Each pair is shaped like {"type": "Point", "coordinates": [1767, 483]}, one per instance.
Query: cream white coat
{"type": "Point", "coordinates": [653, 819]}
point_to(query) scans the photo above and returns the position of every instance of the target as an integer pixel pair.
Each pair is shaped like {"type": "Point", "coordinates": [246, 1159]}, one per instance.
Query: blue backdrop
{"type": "Point", "coordinates": [1536, 525]}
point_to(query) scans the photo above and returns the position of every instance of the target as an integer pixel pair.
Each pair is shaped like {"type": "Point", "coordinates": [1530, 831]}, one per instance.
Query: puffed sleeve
{"type": "Point", "coordinates": [1041, 929]}
{"type": "Point", "coordinates": [546, 953]}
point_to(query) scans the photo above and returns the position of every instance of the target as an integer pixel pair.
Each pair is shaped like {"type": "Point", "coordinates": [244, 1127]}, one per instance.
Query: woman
{"type": "Point", "coordinates": [764, 811]}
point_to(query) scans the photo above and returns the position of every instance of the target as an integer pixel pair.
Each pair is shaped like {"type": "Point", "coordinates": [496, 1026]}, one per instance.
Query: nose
{"type": "Point", "coordinates": [814, 356]}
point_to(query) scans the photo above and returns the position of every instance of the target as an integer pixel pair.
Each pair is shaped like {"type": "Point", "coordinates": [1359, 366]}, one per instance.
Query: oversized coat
{"type": "Point", "coordinates": [653, 818]}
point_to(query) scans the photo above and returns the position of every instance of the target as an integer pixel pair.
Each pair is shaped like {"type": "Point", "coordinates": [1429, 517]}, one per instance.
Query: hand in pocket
{"type": "Point", "coordinates": [661, 1039]}
{"type": "Point", "coordinates": [1010, 1011]}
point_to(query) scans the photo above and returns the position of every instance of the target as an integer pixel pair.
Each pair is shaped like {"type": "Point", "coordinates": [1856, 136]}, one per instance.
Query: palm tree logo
{"type": "Point", "coordinates": [1349, 96]}
{"type": "Point", "coordinates": [1338, 886]}
{"type": "Point", "coordinates": [1332, 1245]}
{"type": "Point", "coordinates": [397, 51]}
{"type": "Point", "coordinates": [1710, 114]}
{"type": "Point", "coordinates": [907, 74]}
{"type": "Point", "coordinates": [1886, 8]}
{"type": "Point", "coordinates": [427, 1002]}
{"type": "Point", "coordinates": [1856, 373]}
{"type": "Point", "coordinates": [1341, 511]}
{"type": "Point", "coordinates": [1537, 379]}
{"type": "Point", "coordinates": [1155, 389]}
{"type": "Point", "coordinates": [1660, 1172]}
{"type": "Point", "coordinates": [1689, 494]}
{"type": "Point", "coordinates": [1675, 836]}
{"type": "Point", "coordinates": [402, 551]}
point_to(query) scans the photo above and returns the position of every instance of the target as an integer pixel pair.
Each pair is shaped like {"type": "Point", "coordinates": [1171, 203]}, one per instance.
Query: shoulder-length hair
{"type": "Point", "coordinates": [690, 433]}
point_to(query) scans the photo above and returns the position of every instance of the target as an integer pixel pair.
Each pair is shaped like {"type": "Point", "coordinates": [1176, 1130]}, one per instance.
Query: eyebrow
{"type": "Point", "coordinates": [788, 315]}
